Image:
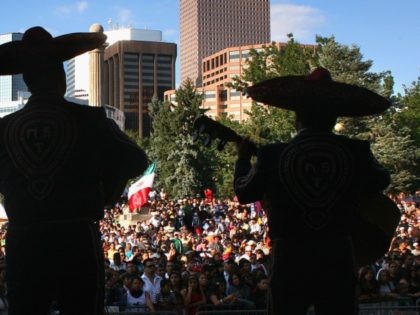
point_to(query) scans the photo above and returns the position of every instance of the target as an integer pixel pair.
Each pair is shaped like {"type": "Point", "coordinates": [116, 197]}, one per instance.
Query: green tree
{"type": "Point", "coordinates": [394, 148]}
{"type": "Point", "coordinates": [408, 114]}
{"type": "Point", "coordinates": [346, 64]}
{"type": "Point", "coordinates": [266, 123]}
{"type": "Point", "coordinates": [394, 135]}
{"type": "Point", "coordinates": [184, 168]}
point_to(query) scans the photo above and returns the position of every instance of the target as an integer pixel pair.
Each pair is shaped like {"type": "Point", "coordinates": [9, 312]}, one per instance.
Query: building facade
{"type": "Point", "coordinates": [77, 69]}
{"type": "Point", "coordinates": [218, 70]}
{"type": "Point", "coordinates": [137, 66]}
{"type": "Point", "coordinates": [10, 85]}
{"type": "Point", "coordinates": [136, 71]}
{"type": "Point", "coordinates": [208, 26]}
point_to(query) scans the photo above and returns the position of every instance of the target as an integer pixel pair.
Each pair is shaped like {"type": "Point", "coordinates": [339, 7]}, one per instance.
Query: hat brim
{"type": "Point", "coordinates": [20, 56]}
{"type": "Point", "coordinates": [297, 93]}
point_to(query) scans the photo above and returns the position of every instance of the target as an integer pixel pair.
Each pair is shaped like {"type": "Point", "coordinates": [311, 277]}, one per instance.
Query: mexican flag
{"type": "Point", "coordinates": [138, 192]}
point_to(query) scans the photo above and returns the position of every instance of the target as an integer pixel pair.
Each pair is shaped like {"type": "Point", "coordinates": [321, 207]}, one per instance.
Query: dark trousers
{"type": "Point", "coordinates": [313, 272]}
{"type": "Point", "coordinates": [61, 262]}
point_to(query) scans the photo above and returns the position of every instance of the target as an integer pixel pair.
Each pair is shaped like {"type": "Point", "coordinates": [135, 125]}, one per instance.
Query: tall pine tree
{"type": "Point", "coordinates": [184, 168]}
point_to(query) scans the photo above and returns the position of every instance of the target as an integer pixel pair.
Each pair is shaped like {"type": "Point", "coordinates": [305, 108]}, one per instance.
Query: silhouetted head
{"type": "Point", "coordinates": [315, 120]}
{"type": "Point", "coordinates": [39, 57]}
{"type": "Point", "coordinates": [50, 79]}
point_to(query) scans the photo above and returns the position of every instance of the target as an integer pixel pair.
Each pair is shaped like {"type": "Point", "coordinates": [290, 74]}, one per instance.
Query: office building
{"type": "Point", "coordinates": [135, 71]}
{"type": "Point", "coordinates": [208, 26]}
{"type": "Point", "coordinates": [219, 69]}
{"type": "Point", "coordinates": [77, 68]}
{"type": "Point", "coordinates": [11, 85]}
{"type": "Point", "coordinates": [137, 66]}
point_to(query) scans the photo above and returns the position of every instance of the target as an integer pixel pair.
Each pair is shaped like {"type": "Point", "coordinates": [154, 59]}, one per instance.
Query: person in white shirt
{"type": "Point", "coordinates": [137, 299]}
{"type": "Point", "coordinates": [254, 227]}
{"type": "Point", "coordinates": [151, 280]}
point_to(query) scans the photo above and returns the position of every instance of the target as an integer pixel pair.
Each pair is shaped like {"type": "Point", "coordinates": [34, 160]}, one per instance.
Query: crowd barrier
{"type": "Point", "coordinates": [394, 307]}
{"type": "Point", "coordinates": [112, 310]}
{"type": "Point", "coordinates": [233, 312]}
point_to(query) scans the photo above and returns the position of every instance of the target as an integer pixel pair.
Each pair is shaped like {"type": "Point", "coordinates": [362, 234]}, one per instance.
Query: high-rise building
{"type": "Point", "coordinates": [208, 26]}
{"type": "Point", "coordinates": [10, 85]}
{"type": "Point", "coordinates": [219, 69]}
{"type": "Point", "coordinates": [137, 66]}
{"type": "Point", "coordinates": [135, 72]}
{"type": "Point", "coordinates": [78, 68]}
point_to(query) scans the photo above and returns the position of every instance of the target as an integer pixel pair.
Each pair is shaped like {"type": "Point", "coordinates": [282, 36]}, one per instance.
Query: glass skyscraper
{"type": "Point", "coordinates": [11, 84]}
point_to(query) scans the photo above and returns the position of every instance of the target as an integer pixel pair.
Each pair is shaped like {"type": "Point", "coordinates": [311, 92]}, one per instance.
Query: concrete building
{"type": "Point", "coordinates": [135, 71]}
{"type": "Point", "coordinates": [137, 66]}
{"type": "Point", "coordinates": [207, 26]}
{"type": "Point", "coordinates": [7, 108]}
{"type": "Point", "coordinates": [77, 68]}
{"type": "Point", "coordinates": [218, 70]}
{"type": "Point", "coordinates": [14, 93]}
{"type": "Point", "coordinates": [10, 85]}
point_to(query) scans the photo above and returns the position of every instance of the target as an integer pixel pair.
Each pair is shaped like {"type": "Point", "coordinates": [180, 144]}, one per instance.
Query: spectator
{"type": "Point", "coordinates": [368, 285]}
{"type": "Point", "coordinates": [193, 295]}
{"type": "Point", "coordinates": [137, 299]}
{"type": "Point", "coordinates": [241, 290]}
{"type": "Point", "coordinates": [176, 287]}
{"type": "Point", "coordinates": [260, 293]}
{"type": "Point", "coordinates": [218, 296]}
{"type": "Point", "coordinates": [150, 279]}
{"type": "Point", "coordinates": [416, 250]}
{"type": "Point", "coordinates": [203, 282]}
{"type": "Point", "coordinates": [166, 299]}
{"type": "Point", "coordinates": [386, 286]}
{"type": "Point", "coordinates": [117, 263]}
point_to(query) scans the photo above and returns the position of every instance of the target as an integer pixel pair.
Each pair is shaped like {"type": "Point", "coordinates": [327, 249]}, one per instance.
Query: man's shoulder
{"type": "Point", "coordinates": [85, 109]}
{"type": "Point", "coordinates": [309, 137]}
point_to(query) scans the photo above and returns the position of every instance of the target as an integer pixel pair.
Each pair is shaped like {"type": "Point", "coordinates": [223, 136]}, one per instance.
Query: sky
{"type": "Point", "coordinates": [386, 31]}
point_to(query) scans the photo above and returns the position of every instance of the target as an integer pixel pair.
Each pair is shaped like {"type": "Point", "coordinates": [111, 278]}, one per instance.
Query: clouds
{"type": "Point", "coordinates": [170, 34]}
{"type": "Point", "coordinates": [121, 17]}
{"type": "Point", "coordinates": [81, 6]}
{"type": "Point", "coordinates": [68, 9]}
{"type": "Point", "coordinates": [301, 20]}
{"type": "Point", "coordinates": [125, 16]}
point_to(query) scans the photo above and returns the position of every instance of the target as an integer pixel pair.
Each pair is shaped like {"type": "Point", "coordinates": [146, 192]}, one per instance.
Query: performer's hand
{"type": "Point", "coordinates": [245, 148]}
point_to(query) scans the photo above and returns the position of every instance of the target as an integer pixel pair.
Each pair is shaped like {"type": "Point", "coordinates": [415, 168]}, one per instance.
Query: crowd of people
{"type": "Point", "coordinates": [188, 253]}
{"type": "Point", "coordinates": [397, 274]}
{"type": "Point", "coordinates": [194, 253]}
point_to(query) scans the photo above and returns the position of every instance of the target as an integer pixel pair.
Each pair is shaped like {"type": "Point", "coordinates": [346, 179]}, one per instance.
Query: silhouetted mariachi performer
{"type": "Point", "coordinates": [311, 187]}
{"type": "Point", "coordinates": [60, 164]}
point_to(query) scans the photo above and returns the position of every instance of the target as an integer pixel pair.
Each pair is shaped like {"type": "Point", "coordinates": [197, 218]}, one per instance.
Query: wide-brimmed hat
{"type": "Point", "coordinates": [317, 92]}
{"type": "Point", "coordinates": [38, 48]}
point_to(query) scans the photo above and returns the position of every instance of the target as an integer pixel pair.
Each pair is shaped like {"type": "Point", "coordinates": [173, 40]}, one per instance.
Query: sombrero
{"type": "Point", "coordinates": [317, 92]}
{"type": "Point", "coordinates": [38, 48]}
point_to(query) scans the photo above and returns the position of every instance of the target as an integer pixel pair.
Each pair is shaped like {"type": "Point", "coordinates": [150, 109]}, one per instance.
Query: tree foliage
{"type": "Point", "coordinates": [184, 168]}
{"type": "Point", "coordinates": [393, 135]}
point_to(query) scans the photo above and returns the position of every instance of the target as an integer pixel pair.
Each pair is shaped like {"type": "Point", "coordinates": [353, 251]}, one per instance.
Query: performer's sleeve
{"type": "Point", "coordinates": [249, 183]}
{"type": "Point", "coordinates": [123, 160]}
{"type": "Point", "coordinates": [126, 156]}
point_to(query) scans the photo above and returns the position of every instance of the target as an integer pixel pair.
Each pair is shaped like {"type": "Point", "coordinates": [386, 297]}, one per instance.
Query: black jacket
{"type": "Point", "coordinates": [312, 185]}
{"type": "Point", "coordinates": [61, 161]}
